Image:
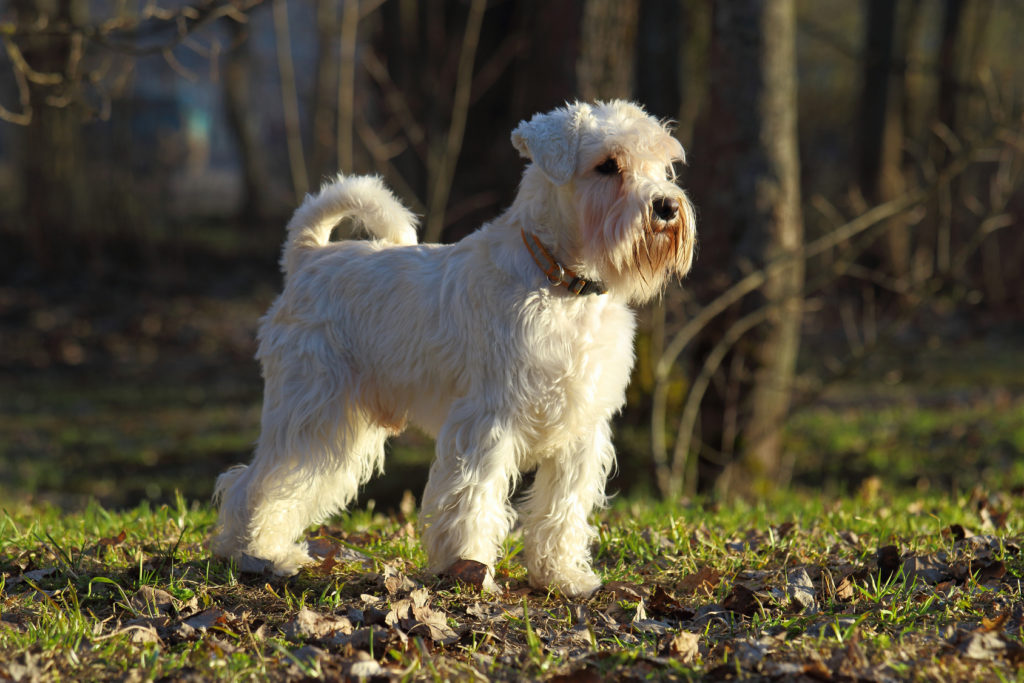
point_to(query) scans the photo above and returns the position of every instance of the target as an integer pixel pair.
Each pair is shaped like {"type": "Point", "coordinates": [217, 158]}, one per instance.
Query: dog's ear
{"type": "Point", "coordinates": [552, 141]}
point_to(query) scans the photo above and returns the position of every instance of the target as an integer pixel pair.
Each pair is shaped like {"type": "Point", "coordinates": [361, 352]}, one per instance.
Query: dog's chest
{"type": "Point", "coordinates": [581, 366]}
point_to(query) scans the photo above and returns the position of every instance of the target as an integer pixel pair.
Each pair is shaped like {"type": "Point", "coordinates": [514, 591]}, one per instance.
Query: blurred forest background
{"type": "Point", "coordinates": [853, 320]}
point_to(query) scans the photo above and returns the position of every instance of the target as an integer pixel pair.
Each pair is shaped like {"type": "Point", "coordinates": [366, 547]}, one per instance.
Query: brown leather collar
{"type": "Point", "coordinates": [557, 274]}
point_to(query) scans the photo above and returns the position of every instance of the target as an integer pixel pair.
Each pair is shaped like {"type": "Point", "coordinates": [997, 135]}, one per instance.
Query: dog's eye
{"type": "Point", "coordinates": [608, 167]}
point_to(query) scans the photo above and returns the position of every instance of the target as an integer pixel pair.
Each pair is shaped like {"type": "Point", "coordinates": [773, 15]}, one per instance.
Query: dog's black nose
{"type": "Point", "coordinates": [665, 208]}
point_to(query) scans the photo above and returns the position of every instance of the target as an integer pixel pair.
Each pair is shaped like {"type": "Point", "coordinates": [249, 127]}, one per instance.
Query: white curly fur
{"type": "Point", "coordinates": [470, 343]}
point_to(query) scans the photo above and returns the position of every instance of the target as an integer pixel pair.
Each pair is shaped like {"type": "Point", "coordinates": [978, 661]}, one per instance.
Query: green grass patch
{"type": "Point", "coordinates": [951, 446]}
{"type": "Point", "coordinates": [893, 586]}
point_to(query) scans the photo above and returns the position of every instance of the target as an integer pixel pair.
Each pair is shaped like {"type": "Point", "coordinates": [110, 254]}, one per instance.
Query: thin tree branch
{"type": "Point", "coordinates": [290, 100]}
{"type": "Point", "coordinates": [671, 483]}
{"type": "Point", "coordinates": [754, 280]}
{"type": "Point", "coordinates": [349, 33]}
{"type": "Point", "coordinates": [444, 170]}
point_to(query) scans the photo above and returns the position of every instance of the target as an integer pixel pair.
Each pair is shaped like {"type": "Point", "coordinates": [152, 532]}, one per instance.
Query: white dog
{"type": "Point", "coordinates": [512, 347]}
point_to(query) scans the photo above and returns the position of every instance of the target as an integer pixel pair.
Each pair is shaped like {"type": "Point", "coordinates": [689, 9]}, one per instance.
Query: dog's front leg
{"type": "Point", "coordinates": [555, 516]}
{"type": "Point", "coordinates": [466, 513]}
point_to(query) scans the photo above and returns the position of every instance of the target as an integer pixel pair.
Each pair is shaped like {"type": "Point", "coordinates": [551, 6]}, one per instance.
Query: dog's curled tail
{"type": "Point", "coordinates": [364, 199]}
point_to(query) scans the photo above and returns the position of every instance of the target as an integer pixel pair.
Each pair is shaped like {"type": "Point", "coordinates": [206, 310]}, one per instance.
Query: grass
{"type": "Point", "coordinates": [72, 437]}
{"type": "Point", "coordinates": [980, 442]}
{"type": "Point", "coordinates": [865, 571]}
{"type": "Point", "coordinates": [76, 597]}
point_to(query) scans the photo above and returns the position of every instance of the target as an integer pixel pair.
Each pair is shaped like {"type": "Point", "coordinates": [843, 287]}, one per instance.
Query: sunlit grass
{"type": "Point", "coordinates": [69, 581]}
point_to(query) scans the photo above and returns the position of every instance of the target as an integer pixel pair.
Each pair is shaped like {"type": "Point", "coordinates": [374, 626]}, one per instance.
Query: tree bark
{"type": "Point", "coordinates": [324, 148]}
{"type": "Point", "coordinates": [56, 196]}
{"type": "Point", "coordinates": [696, 45]}
{"type": "Point", "coordinates": [754, 166]}
{"type": "Point", "coordinates": [238, 110]}
{"type": "Point", "coordinates": [607, 49]}
{"type": "Point", "coordinates": [882, 125]}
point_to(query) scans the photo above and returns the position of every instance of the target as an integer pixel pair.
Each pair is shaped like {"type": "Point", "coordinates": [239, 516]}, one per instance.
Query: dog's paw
{"type": "Point", "coordinates": [253, 565]}
{"type": "Point", "coordinates": [283, 565]}
{"type": "Point", "coordinates": [575, 584]}
{"type": "Point", "coordinates": [582, 587]}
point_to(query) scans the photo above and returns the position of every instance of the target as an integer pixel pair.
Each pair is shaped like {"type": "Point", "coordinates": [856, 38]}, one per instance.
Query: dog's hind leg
{"type": "Point", "coordinates": [313, 454]}
{"type": "Point", "coordinates": [260, 518]}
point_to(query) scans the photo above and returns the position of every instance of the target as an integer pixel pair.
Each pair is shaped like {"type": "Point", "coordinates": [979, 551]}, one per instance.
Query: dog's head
{"type": "Point", "coordinates": [601, 187]}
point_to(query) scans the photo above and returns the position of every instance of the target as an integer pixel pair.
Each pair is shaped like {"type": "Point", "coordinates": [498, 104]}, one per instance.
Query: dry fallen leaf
{"type": "Point", "coordinates": [641, 612]}
{"type": "Point", "coordinates": [334, 553]}
{"type": "Point", "coordinates": [396, 582]}
{"type": "Point", "coordinates": [37, 574]}
{"type": "Point", "coordinates": [584, 675]}
{"type": "Point", "coordinates": [989, 571]}
{"type": "Point", "coordinates": [151, 601]}
{"type": "Point", "coordinates": [844, 591]}
{"type": "Point", "coordinates": [996, 624]}
{"type": "Point", "coordinates": [316, 626]}
{"type": "Point", "coordinates": [957, 531]}
{"type": "Point", "coordinates": [663, 603]}
{"type": "Point", "coordinates": [932, 568]}
{"type": "Point", "coordinates": [685, 647]}
{"type": "Point", "coordinates": [29, 667]}
{"type": "Point", "coordinates": [991, 518]}
{"type": "Point", "coordinates": [469, 572]}
{"type": "Point", "coordinates": [982, 645]}
{"type": "Point", "coordinates": [373, 638]}
{"type": "Point", "coordinates": [114, 540]}
{"type": "Point", "coordinates": [622, 590]}
{"type": "Point", "coordinates": [415, 617]}
{"type": "Point", "coordinates": [782, 530]}
{"type": "Point", "coordinates": [742, 600]}
{"type": "Point", "coordinates": [888, 561]}
{"type": "Point", "coordinates": [141, 635]}
{"type": "Point", "coordinates": [851, 538]}
{"type": "Point", "coordinates": [328, 563]}
{"type": "Point", "coordinates": [704, 581]}
{"type": "Point", "coordinates": [366, 669]}
{"type": "Point", "coordinates": [308, 654]}
{"type": "Point", "coordinates": [208, 618]}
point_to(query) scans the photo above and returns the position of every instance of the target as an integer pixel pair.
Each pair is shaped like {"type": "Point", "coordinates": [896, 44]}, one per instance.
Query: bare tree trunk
{"type": "Point", "coordinates": [697, 19]}
{"type": "Point", "coordinates": [659, 60]}
{"type": "Point", "coordinates": [347, 82]}
{"type": "Point", "coordinates": [238, 109]}
{"type": "Point", "coordinates": [753, 100]}
{"type": "Point", "coordinates": [607, 49]}
{"type": "Point", "coordinates": [290, 100]}
{"type": "Point", "coordinates": [952, 21]}
{"type": "Point", "coordinates": [961, 54]}
{"type": "Point", "coordinates": [324, 90]}
{"type": "Point", "coordinates": [56, 201]}
{"type": "Point", "coordinates": [882, 134]}
{"type": "Point", "coordinates": [546, 74]}
{"type": "Point", "coordinates": [444, 154]}
{"type": "Point", "coordinates": [671, 78]}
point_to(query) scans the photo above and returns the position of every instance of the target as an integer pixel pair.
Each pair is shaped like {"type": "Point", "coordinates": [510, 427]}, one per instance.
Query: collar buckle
{"type": "Point", "coordinates": [560, 278]}
{"type": "Point", "coordinates": [576, 285]}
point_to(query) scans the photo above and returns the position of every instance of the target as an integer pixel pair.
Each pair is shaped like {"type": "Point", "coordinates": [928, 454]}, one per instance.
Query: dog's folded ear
{"type": "Point", "coordinates": [552, 141]}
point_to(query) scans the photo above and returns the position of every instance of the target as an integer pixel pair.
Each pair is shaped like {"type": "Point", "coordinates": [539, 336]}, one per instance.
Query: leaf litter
{"type": "Point", "coordinates": [779, 602]}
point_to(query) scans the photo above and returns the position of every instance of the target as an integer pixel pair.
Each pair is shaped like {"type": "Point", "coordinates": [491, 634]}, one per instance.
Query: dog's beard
{"type": "Point", "coordinates": [635, 251]}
